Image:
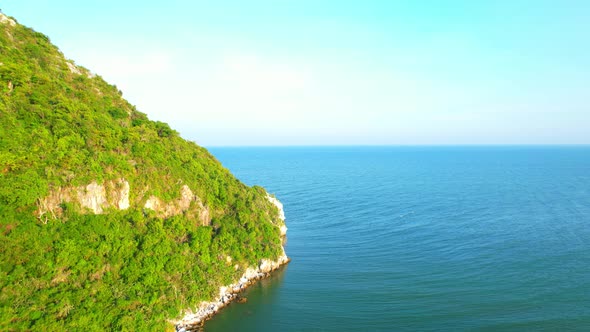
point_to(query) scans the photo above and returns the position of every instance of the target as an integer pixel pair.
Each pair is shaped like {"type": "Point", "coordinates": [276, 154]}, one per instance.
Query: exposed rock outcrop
{"type": "Point", "coordinates": [279, 206]}
{"type": "Point", "coordinates": [93, 197]}
{"type": "Point", "coordinates": [121, 194]}
{"type": "Point", "coordinates": [96, 198]}
{"type": "Point", "coordinates": [7, 20]}
{"type": "Point", "coordinates": [185, 203]}
{"type": "Point", "coordinates": [73, 68]}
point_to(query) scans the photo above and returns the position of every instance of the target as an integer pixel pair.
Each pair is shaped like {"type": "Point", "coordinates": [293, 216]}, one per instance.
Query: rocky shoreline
{"type": "Point", "coordinates": [194, 320]}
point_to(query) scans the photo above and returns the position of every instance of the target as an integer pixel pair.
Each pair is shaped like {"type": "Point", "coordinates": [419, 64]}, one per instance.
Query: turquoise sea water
{"type": "Point", "coordinates": [422, 239]}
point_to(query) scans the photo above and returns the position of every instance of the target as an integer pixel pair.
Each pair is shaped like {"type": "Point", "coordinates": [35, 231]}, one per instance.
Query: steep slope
{"type": "Point", "coordinates": [109, 220]}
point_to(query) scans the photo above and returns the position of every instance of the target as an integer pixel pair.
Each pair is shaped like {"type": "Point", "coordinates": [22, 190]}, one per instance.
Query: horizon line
{"type": "Point", "coordinates": [401, 145]}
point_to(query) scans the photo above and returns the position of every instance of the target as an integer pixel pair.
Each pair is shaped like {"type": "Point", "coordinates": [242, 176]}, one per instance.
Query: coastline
{"type": "Point", "coordinates": [227, 294]}
{"type": "Point", "coordinates": [194, 320]}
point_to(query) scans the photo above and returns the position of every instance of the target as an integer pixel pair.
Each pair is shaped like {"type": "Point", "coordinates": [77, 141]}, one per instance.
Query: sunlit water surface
{"type": "Point", "coordinates": [422, 238]}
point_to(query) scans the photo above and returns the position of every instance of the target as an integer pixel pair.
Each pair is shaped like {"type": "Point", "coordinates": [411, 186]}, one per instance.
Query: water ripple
{"type": "Point", "coordinates": [424, 238]}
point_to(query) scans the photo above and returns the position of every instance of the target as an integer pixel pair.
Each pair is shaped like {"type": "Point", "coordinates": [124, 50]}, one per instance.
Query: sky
{"type": "Point", "coordinates": [314, 72]}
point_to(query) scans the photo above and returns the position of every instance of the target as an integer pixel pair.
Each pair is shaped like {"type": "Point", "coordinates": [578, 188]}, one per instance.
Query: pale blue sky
{"type": "Point", "coordinates": [338, 72]}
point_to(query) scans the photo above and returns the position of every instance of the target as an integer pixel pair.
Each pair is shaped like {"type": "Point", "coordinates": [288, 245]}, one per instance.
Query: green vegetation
{"type": "Point", "coordinates": [124, 270]}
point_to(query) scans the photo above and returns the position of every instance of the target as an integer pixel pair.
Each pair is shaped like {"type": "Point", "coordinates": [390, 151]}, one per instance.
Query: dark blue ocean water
{"type": "Point", "coordinates": [422, 238]}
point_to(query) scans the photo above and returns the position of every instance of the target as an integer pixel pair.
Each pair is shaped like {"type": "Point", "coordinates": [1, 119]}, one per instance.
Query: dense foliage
{"type": "Point", "coordinates": [131, 270]}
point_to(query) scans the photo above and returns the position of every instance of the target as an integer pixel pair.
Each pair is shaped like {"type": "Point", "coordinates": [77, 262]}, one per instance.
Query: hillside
{"type": "Point", "coordinates": [109, 220]}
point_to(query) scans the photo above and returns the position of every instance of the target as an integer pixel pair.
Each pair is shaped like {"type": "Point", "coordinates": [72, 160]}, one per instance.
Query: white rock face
{"type": "Point", "coordinates": [186, 197]}
{"type": "Point", "coordinates": [283, 228]}
{"type": "Point", "coordinates": [182, 204]}
{"type": "Point", "coordinates": [115, 194]}
{"type": "Point", "coordinates": [153, 203]}
{"type": "Point", "coordinates": [279, 206]}
{"type": "Point", "coordinates": [93, 196]}
{"type": "Point", "coordinates": [96, 197]}
{"type": "Point", "coordinates": [7, 20]}
{"type": "Point", "coordinates": [123, 202]}
{"type": "Point", "coordinates": [72, 67]}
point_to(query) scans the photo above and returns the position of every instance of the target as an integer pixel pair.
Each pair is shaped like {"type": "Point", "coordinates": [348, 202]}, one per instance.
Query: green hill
{"type": "Point", "coordinates": [109, 220]}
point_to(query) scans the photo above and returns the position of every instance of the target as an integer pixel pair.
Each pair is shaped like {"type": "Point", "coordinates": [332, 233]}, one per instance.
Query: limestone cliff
{"type": "Point", "coordinates": [97, 198]}
{"type": "Point", "coordinates": [279, 206]}
{"type": "Point", "coordinates": [185, 203]}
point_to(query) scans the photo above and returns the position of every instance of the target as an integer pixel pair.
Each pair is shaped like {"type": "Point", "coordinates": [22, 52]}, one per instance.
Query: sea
{"type": "Point", "coordinates": [422, 238]}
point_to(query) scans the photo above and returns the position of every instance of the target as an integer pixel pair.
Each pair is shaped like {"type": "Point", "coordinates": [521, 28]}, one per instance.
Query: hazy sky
{"type": "Point", "coordinates": [338, 72]}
